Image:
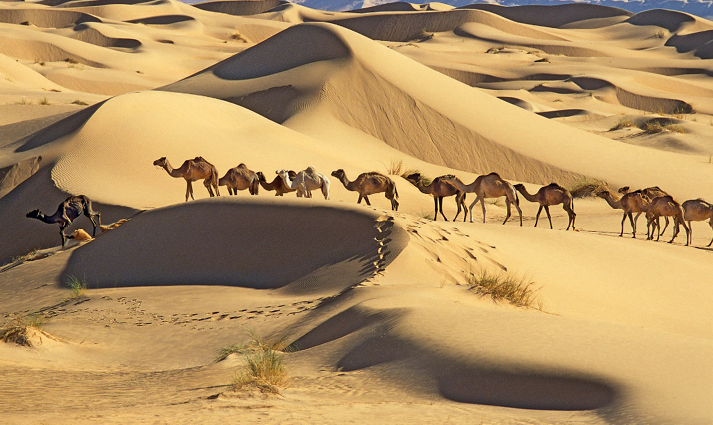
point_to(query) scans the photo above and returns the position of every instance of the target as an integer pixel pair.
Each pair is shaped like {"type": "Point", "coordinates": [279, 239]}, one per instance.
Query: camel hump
{"type": "Point", "coordinates": [242, 165]}
{"type": "Point", "coordinates": [310, 169]}
{"type": "Point", "coordinates": [494, 174]}
{"type": "Point", "coordinates": [555, 186]}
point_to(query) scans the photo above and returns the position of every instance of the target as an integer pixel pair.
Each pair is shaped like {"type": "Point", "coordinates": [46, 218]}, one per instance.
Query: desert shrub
{"type": "Point", "coordinates": [586, 187]}
{"type": "Point", "coordinates": [623, 124]}
{"type": "Point", "coordinates": [502, 286]}
{"type": "Point", "coordinates": [15, 330]}
{"type": "Point", "coordinates": [79, 102]}
{"type": "Point", "coordinates": [264, 368]}
{"type": "Point", "coordinates": [77, 287]}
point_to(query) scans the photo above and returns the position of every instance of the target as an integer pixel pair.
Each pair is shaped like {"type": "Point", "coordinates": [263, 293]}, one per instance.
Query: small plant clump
{"type": "Point", "coordinates": [44, 101]}
{"type": "Point", "coordinates": [77, 287]}
{"type": "Point", "coordinates": [653, 127]}
{"type": "Point", "coordinates": [16, 329]}
{"type": "Point", "coordinates": [264, 368]}
{"type": "Point", "coordinates": [623, 124]}
{"type": "Point", "coordinates": [502, 287]}
{"type": "Point", "coordinates": [587, 187]}
{"type": "Point", "coordinates": [79, 102]}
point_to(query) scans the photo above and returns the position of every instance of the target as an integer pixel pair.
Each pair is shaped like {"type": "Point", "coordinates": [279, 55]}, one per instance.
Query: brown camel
{"type": "Point", "coordinates": [651, 193]}
{"type": "Point", "coordinates": [67, 212]}
{"type": "Point", "coordinates": [240, 178]}
{"type": "Point", "coordinates": [698, 210]}
{"type": "Point", "coordinates": [489, 186]}
{"type": "Point", "coordinates": [278, 184]}
{"type": "Point", "coordinates": [369, 183]}
{"type": "Point", "coordinates": [632, 202]}
{"type": "Point", "coordinates": [192, 170]}
{"type": "Point", "coordinates": [663, 206]}
{"type": "Point", "coordinates": [551, 194]}
{"type": "Point", "coordinates": [440, 189]}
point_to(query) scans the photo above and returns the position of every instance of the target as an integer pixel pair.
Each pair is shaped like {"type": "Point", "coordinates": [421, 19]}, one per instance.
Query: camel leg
{"type": "Point", "coordinates": [519, 211]}
{"type": "Point", "coordinates": [623, 219]}
{"type": "Point", "coordinates": [366, 198]}
{"type": "Point", "coordinates": [482, 204]}
{"type": "Point", "coordinates": [61, 233]}
{"type": "Point", "coordinates": [676, 229]}
{"type": "Point", "coordinates": [665, 225]}
{"type": "Point", "coordinates": [711, 223]}
{"type": "Point", "coordinates": [537, 217]}
{"type": "Point", "coordinates": [440, 207]}
{"type": "Point", "coordinates": [210, 188]}
{"type": "Point", "coordinates": [359, 200]}
{"type": "Point", "coordinates": [507, 205]}
{"type": "Point", "coordinates": [435, 201]}
{"type": "Point", "coordinates": [572, 216]}
{"type": "Point", "coordinates": [188, 190]}
{"type": "Point", "coordinates": [547, 210]}
{"type": "Point", "coordinates": [465, 211]}
{"type": "Point", "coordinates": [470, 208]}
{"type": "Point", "coordinates": [633, 224]}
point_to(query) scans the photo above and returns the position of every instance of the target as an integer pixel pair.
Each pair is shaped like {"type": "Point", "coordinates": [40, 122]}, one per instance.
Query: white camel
{"type": "Point", "coordinates": [306, 181]}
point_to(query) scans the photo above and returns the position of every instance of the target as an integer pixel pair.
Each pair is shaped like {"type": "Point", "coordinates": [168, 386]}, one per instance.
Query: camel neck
{"type": "Point", "coordinates": [616, 204]}
{"type": "Point", "coordinates": [526, 194]}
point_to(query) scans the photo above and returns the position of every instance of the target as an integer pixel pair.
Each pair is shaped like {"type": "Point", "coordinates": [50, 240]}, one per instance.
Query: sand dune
{"type": "Point", "coordinates": [375, 304]}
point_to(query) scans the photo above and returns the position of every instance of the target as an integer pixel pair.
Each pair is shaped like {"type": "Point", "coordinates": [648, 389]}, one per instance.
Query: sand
{"type": "Point", "coordinates": [375, 304]}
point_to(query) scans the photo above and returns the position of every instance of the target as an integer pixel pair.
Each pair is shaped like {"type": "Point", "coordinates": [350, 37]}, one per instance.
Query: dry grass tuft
{"type": "Point", "coordinates": [656, 126]}
{"type": "Point", "coordinates": [623, 124]}
{"type": "Point", "coordinates": [77, 287]}
{"type": "Point", "coordinates": [503, 287]}
{"type": "Point", "coordinates": [15, 330]}
{"type": "Point", "coordinates": [79, 102]}
{"type": "Point", "coordinates": [44, 101]}
{"type": "Point", "coordinates": [587, 187]}
{"type": "Point", "coordinates": [264, 368]}
{"type": "Point", "coordinates": [238, 37]}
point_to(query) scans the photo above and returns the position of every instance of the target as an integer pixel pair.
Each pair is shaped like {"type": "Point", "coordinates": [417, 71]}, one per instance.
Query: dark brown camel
{"type": "Point", "coordinates": [551, 194]}
{"type": "Point", "coordinates": [67, 212]}
{"type": "Point", "coordinates": [440, 189]}
{"type": "Point", "coordinates": [369, 183]}
{"type": "Point", "coordinates": [278, 184]}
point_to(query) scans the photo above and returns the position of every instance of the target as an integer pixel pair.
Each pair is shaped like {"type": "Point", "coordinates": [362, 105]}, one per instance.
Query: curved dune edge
{"type": "Point", "coordinates": [263, 244]}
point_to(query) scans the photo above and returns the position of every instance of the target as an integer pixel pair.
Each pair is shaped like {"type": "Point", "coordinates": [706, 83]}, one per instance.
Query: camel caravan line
{"type": "Point", "coordinates": [652, 201]}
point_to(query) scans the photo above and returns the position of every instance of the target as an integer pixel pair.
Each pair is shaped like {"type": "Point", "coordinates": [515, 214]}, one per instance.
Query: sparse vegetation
{"type": "Point", "coordinates": [264, 368]}
{"type": "Point", "coordinates": [396, 168]}
{"type": "Point", "coordinates": [16, 330]}
{"type": "Point", "coordinates": [77, 287]}
{"type": "Point", "coordinates": [660, 34]}
{"type": "Point", "coordinates": [71, 60]}
{"type": "Point", "coordinates": [657, 126]}
{"type": "Point", "coordinates": [24, 102]}
{"type": "Point", "coordinates": [79, 102]}
{"type": "Point", "coordinates": [424, 35]}
{"type": "Point", "coordinates": [40, 62]}
{"type": "Point", "coordinates": [586, 186]}
{"type": "Point", "coordinates": [238, 37]}
{"type": "Point", "coordinates": [44, 101]}
{"type": "Point", "coordinates": [623, 124]}
{"type": "Point", "coordinates": [503, 286]}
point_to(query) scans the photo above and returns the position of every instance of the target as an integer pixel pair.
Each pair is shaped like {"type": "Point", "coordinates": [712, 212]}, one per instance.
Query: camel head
{"type": "Point", "coordinates": [34, 214]}
{"type": "Point", "coordinates": [519, 186]}
{"type": "Point", "coordinates": [624, 189]}
{"type": "Point", "coordinates": [161, 162]}
{"type": "Point", "coordinates": [261, 176]}
{"type": "Point", "coordinates": [601, 193]}
{"type": "Point", "coordinates": [338, 173]}
{"type": "Point", "coordinates": [414, 178]}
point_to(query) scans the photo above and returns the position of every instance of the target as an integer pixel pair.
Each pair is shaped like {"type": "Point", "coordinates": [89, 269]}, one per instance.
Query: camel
{"type": "Point", "coordinates": [666, 206]}
{"type": "Point", "coordinates": [551, 194]}
{"type": "Point", "coordinates": [698, 210]}
{"type": "Point", "coordinates": [192, 170]}
{"type": "Point", "coordinates": [369, 183]}
{"type": "Point", "coordinates": [240, 178]}
{"type": "Point", "coordinates": [67, 212]}
{"type": "Point", "coordinates": [306, 181]}
{"type": "Point", "coordinates": [651, 193]}
{"type": "Point", "coordinates": [440, 189]}
{"type": "Point", "coordinates": [631, 202]}
{"type": "Point", "coordinates": [489, 186]}
{"type": "Point", "coordinates": [277, 184]}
